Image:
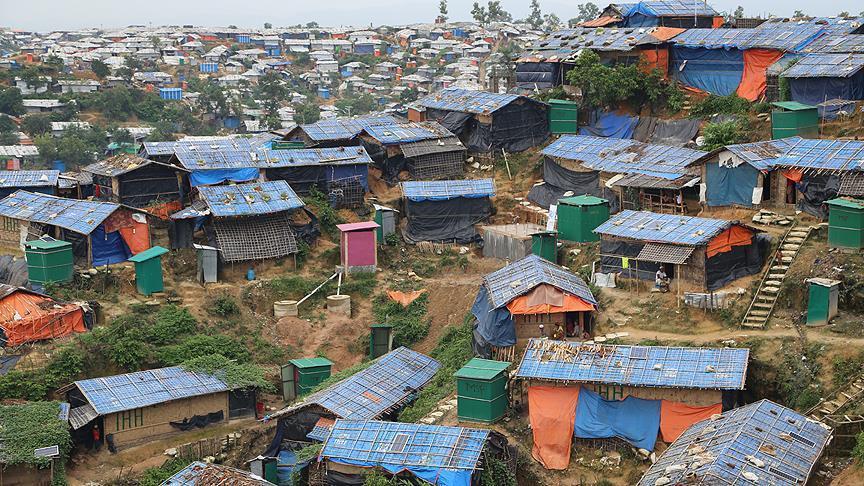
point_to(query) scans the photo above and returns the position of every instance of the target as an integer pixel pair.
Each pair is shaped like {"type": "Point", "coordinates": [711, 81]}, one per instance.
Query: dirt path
{"type": "Point", "coordinates": [636, 334]}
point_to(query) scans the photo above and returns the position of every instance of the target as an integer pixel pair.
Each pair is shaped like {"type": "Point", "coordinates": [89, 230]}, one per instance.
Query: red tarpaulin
{"type": "Point", "coordinates": [552, 412]}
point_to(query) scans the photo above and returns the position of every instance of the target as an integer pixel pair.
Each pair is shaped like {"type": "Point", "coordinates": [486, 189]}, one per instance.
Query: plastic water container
{"type": "Point", "coordinates": [250, 274]}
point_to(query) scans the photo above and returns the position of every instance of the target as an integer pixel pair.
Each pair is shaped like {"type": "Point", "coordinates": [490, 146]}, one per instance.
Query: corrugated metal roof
{"type": "Point", "coordinates": [217, 153]}
{"type": "Point", "coordinates": [769, 441]}
{"type": "Point", "coordinates": [437, 146]}
{"type": "Point", "coordinates": [835, 155]}
{"type": "Point", "coordinates": [665, 253]}
{"type": "Point", "coordinates": [762, 155]}
{"type": "Point", "coordinates": [344, 128]}
{"type": "Point", "coordinates": [28, 178]}
{"type": "Point", "coordinates": [647, 366]}
{"type": "Point", "coordinates": [255, 198]}
{"type": "Point", "coordinates": [444, 190]}
{"type": "Point", "coordinates": [376, 443]}
{"type": "Point", "coordinates": [467, 101]}
{"type": "Point", "coordinates": [399, 133]}
{"type": "Point", "coordinates": [782, 37]}
{"type": "Point", "coordinates": [201, 474]}
{"type": "Point", "coordinates": [626, 156]}
{"type": "Point", "coordinates": [837, 44]}
{"type": "Point", "coordinates": [568, 42]}
{"type": "Point", "coordinates": [522, 276]}
{"type": "Point", "coordinates": [388, 382]}
{"type": "Point", "coordinates": [71, 214]}
{"type": "Point", "coordinates": [826, 66]}
{"type": "Point", "coordinates": [833, 25]}
{"type": "Point", "coordinates": [144, 388]}
{"type": "Point", "coordinates": [652, 182]}
{"type": "Point", "coordinates": [314, 156]}
{"type": "Point", "coordinates": [18, 151]}
{"type": "Point", "coordinates": [663, 228]}
{"type": "Point", "coordinates": [120, 164]}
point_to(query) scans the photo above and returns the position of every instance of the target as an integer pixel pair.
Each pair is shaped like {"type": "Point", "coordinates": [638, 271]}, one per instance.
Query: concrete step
{"type": "Point", "coordinates": [791, 247]}
{"type": "Point", "coordinates": [795, 239]}
{"type": "Point", "coordinates": [773, 283]}
{"type": "Point", "coordinates": [779, 268]}
{"type": "Point", "coordinates": [763, 305]}
{"type": "Point", "coordinates": [776, 276]}
{"type": "Point", "coordinates": [770, 290]}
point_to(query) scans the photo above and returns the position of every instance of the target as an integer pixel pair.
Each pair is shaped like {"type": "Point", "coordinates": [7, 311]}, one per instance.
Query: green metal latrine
{"type": "Point", "coordinates": [49, 260]}
{"type": "Point", "coordinates": [579, 216]}
{"type": "Point", "coordinates": [545, 245]}
{"type": "Point", "coordinates": [563, 117]}
{"type": "Point", "coordinates": [148, 270]}
{"type": "Point", "coordinates": [791, 118]}
{"type": "Point", "coordinates": [822, 304]}
{"type": "Point", "coordinates": [481, 389]}
{"type": "Point", "coordinates": [301, 376]}
{"type": "Point", "coordinates": [380, 340]}
{"type": "Point", "coordinates": [846, 223]}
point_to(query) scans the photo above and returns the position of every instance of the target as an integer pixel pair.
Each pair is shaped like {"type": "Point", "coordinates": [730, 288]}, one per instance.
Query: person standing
{"type": "Point", "coordinates": [97, 437]}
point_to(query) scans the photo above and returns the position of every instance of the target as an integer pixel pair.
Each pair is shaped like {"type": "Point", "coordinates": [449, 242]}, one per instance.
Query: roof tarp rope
{"type": "Point", "coordinates": [551, 411]}
{"type": "Point", "coordinates": [676, 417]}
{"type": "Point", "coordinates": [756, 63]}
{"type": "Point", "coordinates": [725, 241]}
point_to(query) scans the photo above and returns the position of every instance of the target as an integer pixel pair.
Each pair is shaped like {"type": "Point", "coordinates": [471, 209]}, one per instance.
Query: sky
{"type": "Point", "coordinates": [44, 15]}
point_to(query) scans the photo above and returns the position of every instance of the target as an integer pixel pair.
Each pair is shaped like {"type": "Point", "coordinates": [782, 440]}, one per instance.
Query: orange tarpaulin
{"type": "Point", "coordinates": [546, 299]}
{"type": "Point", "coordinates": [28, 317]}
{"type": "Point", "coordinates": [655, 59]}
{"type": "Point", "coordinates": [676, 417]}
{"type": "Point", "coordinates": [666, 33]}
{"type": "Point", "coordinates": [793, 175]}
{"type": "Point", "coordinates": [137, 237]}
{"type": "Point", "coordinates": [756, 62]}
{"type": "Point", "coordinates": [717, 22]}
{"type": "Point", "coordinates": [165, 210]}
{"type": "Point", "coordinates": [552, 411]}
{"type": "Point", "coordinates": [405, 298]}
{"type": "Point", "coordinates": [734, 236]}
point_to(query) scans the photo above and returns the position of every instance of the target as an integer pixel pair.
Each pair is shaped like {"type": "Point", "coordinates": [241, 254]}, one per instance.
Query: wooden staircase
{"type": "Point", "coordinates": [846, 395]}
{"type": "Point", "coordinates": [765, 298]}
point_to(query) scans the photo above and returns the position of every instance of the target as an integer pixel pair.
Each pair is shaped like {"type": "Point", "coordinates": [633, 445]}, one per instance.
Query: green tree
{"type": "Point", "coordinates": [409, 95]}
{"type": "Point", "coordinates": [268, 25]}
{"type": "Point", "coordinates": [587, 11]}
{"type": "Point", "coordinates": [273, 92]}
{"type": "Point", "coordinates": [162, 132]}
{"type": "Point", "coordinates": [117, 103]}
{"type": "Point", "coordinates": [442, 11]}
{"type": "Point", "coordinates": [551, 22]}
{"type": "Point", "coordinates": [844, 14]}
{"type": "Point", "coordinates": [312, 25]}
{"type": "Point", "coordinates": [11, 101]}
{"type": "Point", "coordinates": [535, 16]}
{"type": "Point", "coordinates": [359, 105]}
{"type": "Point", "coordinates": [479, 14]}
{"type": "Point", "coordinates": [738, 13]}
{"type": "Point", "coordinates": [36, 124]}
{"type": "Point", "coordinates": [496, 12]}
{"type": "Point", "coordinates": [7, 125]}
{"type": "Point", "coordinates": [121, 136]}
{"type": "Point", "coordinates": [798, 14]}
{"type": "Point", "coordinates": [99, 68]}
{"type": "Point", "coordinates": [8, 138]}
{"type": "Point", "coordinates": [307, 113]}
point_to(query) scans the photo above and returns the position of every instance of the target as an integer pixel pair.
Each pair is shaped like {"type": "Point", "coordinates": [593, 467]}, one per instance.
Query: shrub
{"type": "Point", "coordinates": [724, 133]}
{"type": "Point", "coordinates": [225, 306]}
{"type": "Point", "coordinates": [858, 450]}
{"type": "Point", "coordinates": [202, 345]}
{"type": "Point", "coordinates": [720, 105]}
{"type": "Point", "coordinates": [227, 370]}
{"type": "Point", "coordinates": [410, 324]}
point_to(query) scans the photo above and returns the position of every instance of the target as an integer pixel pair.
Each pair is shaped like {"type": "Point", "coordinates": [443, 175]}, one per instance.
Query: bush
{"type": "Point", "coordinates": [225, 306]}
{"type": "Point", "coordinates": [720, 105]}
{"type": "Point", "coordinates": [233, 374]}
{"type": "Point", "coordinates": [410, 324]}
{"type": "Point", "coordinates": [155, 476]}
{"type": "Point", "coordinates": [719, 135]}
{"type": "Point", "coordinates": [858, 450]}
{"type": "Point", "coordinates": [202, 345]}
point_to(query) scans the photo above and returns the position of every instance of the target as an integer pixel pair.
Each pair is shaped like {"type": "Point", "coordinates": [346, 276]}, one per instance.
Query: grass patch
{"type": "Point", "coordinates": [410, 324]}
{"type": "Point", "coordinates": [452, 351]}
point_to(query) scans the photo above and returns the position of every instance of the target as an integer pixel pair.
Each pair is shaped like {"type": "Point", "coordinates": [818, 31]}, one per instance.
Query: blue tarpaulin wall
{"type": "Point", "coordinates": [633, 419]}
{"type": "Point", "coordinates": [612, 125]}
{"type": "Point", "coordinates": [813, 91]}
{"type": "Point", "coordinates": [495, 325]}
{"type": "Point", "coordinates": [438, 477]}
{"type": "Point", "coordinates": [717, 71]}
{"type": "Point", "coordinates": [361, 171]}
{"type": "Point", "coordinates": [108, 249]}
{"type": "Point", "coordinates": [728, 186]}
{"type": "Point", "coordinates": [218, 176]}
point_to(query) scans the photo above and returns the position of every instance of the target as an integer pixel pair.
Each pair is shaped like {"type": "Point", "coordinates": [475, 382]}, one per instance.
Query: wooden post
{"type": "Point", "coordinates": [678, 278]}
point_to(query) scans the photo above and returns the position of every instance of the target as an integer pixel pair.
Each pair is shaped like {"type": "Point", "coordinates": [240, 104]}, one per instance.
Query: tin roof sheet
{"type": "Point", "coordinates": [826, 66]}
{"type": "Point", "coordinates": [784, 37]}
{"type": "Point", "coordinates": [663, 228]}
{"type": "Point", "coordinates": [833, 155]}
{"type": "Point", "coordinates": [523, 275]}
{"type": "Point", "coordinates": [769, 441]}
{"type": "Point", "coordinates": [444, 190]}
{"type": "Point", "coordinates": [71, 214]}
{"type": "Point", "coordinates": [313, 157]}
{"type": "Point", "coordinates": [29, 178]}
{"type": "Point", "coordinates": [254, 198]}
{"type": "Point", "coordinates": [399, 133]}
{"type": "Point", "coordinates": [344, 128]}
{"type": "Point", "coordinates": [467, 101]}
{"type": "Point", "coordinates": [201, 474]}
{"type": "Point", "coordinates": [644, 366]}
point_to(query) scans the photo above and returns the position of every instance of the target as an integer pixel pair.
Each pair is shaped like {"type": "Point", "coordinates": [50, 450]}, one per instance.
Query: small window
{"type": "Point", "coordinates": [399, 443]}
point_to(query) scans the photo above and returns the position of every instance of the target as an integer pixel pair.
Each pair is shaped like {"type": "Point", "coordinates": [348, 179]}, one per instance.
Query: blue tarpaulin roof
{"type": "Point", "coordinates": [523, 275]}
{"type": "Point", "coordinates": [389, 382]}
{"type": "Point", "coordinates": [445, 190]}
{"type": "Point", "coordinates": [467, 101]}
{"type": "Point", "coordinates": [375, 443]}
{"type": "Point", "coordinates": [254, 198]}
{"type": "Point", "coordinates": [344, 128]}
{"type": "Point", "coordinates": [834, 25]}
{"type": "Point", "coordinates": [671, 8]}
{"type": "Point", "coordinates": [144, 388]}
{"type": "Point", "coordinates": [777, 445]}
{"type": "Point", "coordinates": [71, 214]}
{"type": "Point", "coordinates": [395, 134]}
{"type": "Point", "coordinates": [762, 155]}
{"type": "Point", "coordinates": [837, 44]}
{"type": "Point", "coordinates": [29, 178]}
{"type": "Point", "coordinates": [314, 156]}
{"type": "Point", "coordinates": [837, 155]}
{"type": "Point", "coordinates": [625, 156]}
{"type": "Point", "coordinates": [826, 66]}
{"type": "Point", "coordinates": [782, 37]}
{"type": "Point", "coordinates": [215, 153]}
{"type": "Point", "coordinates": [648, 366]}
{"type": "Point", "coordinates": [663, 228]}
{"type": "Point", "coordinates": [201, 474]}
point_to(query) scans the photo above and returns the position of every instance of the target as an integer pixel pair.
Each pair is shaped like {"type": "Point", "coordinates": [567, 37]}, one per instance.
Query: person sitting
{"type": "Point", "coordinates": [661, 280]}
